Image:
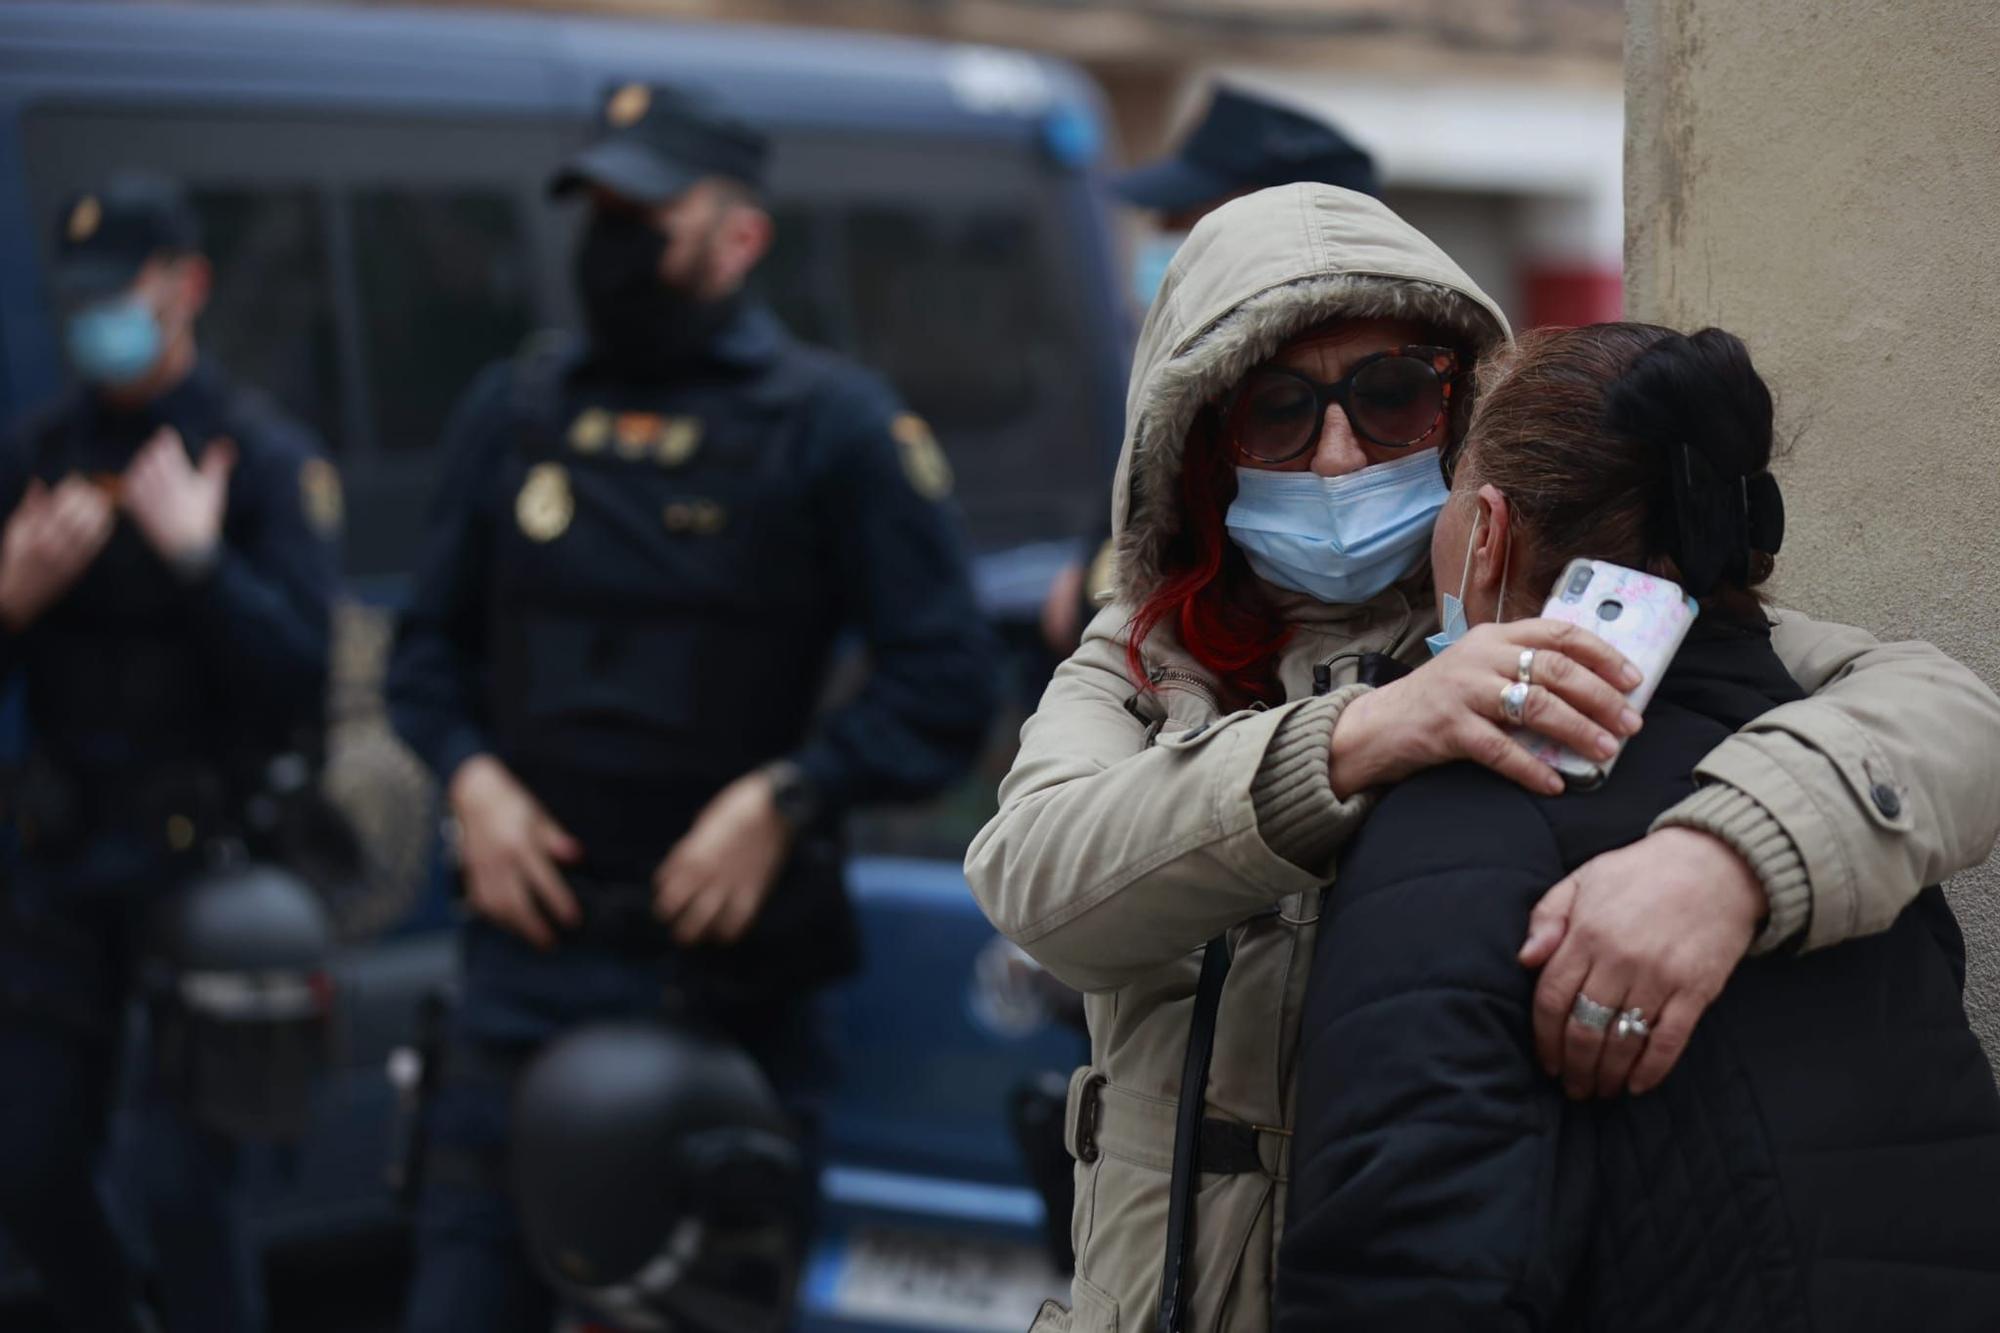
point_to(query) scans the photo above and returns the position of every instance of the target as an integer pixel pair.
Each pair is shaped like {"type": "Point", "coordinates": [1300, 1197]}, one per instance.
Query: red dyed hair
{"type": "Point", "coordinates": [1208, 590]}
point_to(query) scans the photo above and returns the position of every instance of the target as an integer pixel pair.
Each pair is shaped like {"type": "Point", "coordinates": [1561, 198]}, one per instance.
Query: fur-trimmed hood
{"type": "Point", "coordinates": [1253, 274]}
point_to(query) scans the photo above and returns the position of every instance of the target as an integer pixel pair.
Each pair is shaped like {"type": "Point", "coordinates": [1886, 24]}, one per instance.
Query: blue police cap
{"type": "Point", "coordinates": [105, 235]}
{"type": "Point", "coordinates": [654, 142]}
{"type": "Point", "coordinates": [1247, 143]}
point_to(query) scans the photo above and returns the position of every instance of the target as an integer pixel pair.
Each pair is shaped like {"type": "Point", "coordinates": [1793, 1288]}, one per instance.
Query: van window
{"type": "Point", "coordinates": [446, 287]}
{"type": "Point", "coordinates": [949, 308]}
{"type": "Point", "coordinates": [792, 278]}
{"type": "Point", "coordinates": [270, 318]}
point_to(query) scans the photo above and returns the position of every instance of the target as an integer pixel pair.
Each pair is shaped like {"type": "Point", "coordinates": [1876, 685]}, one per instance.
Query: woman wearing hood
{"type": "Point", "coordinates": [1195, 767]}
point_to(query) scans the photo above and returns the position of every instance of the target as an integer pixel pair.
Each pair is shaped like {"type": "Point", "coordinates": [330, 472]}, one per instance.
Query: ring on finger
{"type": "Point", "coordinates": [1590, 1014]}
{"type": "Point", "coordinates": [1514, 702]}
{"type": "Point", "coordinates": [1632, 1023]}
{"type": "Point", "coordinates": [1526, 672]}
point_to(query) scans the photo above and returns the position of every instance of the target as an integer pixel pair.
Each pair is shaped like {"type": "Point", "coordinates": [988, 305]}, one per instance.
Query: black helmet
{"type": "Point", "coordinates": [660, 1184]}
{"type": "Point", "coordinates": [241, 1000]}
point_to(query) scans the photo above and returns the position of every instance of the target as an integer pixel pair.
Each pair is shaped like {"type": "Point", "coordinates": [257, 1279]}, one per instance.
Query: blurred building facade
{"type": "Point", "coordinates": [1498, 124]}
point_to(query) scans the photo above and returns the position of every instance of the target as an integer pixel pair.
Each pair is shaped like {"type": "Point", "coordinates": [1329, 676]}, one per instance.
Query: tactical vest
{"type": "Point", "coordinates": [664, 607]}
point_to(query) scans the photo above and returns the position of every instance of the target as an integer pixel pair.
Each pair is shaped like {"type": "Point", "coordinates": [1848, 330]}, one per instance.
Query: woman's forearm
{"type": "Point", "coordinates": [1885, 781]}
{"type": "Point", "coordinates": [1103, 873]}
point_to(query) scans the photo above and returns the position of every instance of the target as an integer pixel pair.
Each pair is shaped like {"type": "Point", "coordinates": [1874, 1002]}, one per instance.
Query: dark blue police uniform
{"type": "Point", "coordinates": [152, 700]}
{"type": "Point", "coordinates": [632, 594]}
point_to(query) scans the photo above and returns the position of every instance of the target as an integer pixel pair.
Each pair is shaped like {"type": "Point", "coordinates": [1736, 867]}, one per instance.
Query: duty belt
{"type": "Point", "coordinates": [617, 913]}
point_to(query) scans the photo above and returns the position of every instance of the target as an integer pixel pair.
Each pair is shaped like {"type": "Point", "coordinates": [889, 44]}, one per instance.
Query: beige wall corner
{"type": "Point", "coordinates": [1824, 179]}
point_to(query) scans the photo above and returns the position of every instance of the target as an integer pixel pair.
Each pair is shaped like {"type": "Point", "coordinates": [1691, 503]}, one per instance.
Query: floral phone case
{"type": "Point", "coordinates": [1643, 616]}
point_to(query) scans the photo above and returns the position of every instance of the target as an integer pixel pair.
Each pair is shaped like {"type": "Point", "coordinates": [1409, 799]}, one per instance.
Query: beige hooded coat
{"type": "Point", "coordinates": [1135, 825]}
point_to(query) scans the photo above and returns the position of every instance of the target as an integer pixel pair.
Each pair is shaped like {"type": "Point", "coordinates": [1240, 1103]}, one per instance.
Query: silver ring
{"type": "Point", "coordinates": [1513, 700]}
{"type": "Point", "coordinates": [1632, 1023]}
{"type": "Point", "coordinates": [1591, 1014]}
{"type": "Point", "coordinates": [1526, 673]}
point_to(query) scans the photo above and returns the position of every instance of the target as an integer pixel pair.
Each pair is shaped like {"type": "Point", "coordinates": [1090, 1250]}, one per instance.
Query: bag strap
{"type": "Point", "coordinates": [1215, 962]}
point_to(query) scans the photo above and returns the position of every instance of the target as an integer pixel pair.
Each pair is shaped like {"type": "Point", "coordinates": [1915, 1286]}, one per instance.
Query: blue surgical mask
{"type": "Point", "coordinates": [1149, 264]}
{"type": "Point", "coordinates": [1341, 540]}
{"type": "Point", "coordinates": [1452, 615]}
{"type": "Point", "coordinates": [1454, 626]}
{"type": "Point", "coordinates": [114, 342]}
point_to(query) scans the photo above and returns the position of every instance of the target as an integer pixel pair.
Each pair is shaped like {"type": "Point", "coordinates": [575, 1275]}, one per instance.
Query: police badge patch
{"type": "Point", "coordinates": [923, 462]}
{"type": "Point", "coordinates": [320, 496]}
{"type": "Point", "coordinates": [545, 506]}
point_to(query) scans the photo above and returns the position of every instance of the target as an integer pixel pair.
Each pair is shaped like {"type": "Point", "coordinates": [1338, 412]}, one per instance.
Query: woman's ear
{"type": "Point", "coordinates": [1491, 562]}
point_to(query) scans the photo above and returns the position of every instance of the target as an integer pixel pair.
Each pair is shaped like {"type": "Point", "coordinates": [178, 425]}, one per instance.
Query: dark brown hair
{"type": "Point", "coordinates": [1638, 445]}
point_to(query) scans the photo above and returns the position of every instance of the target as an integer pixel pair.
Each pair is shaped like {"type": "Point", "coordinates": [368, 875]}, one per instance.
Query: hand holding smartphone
{"type": "Point", "coordinates": [1641, 615]}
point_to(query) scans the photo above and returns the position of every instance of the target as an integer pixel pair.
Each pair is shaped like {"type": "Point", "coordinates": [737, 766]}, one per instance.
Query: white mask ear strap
{"type": "Point", "coordinates": [1471, 538]}
{"type": "Point", "coordinates": [1506, 563]}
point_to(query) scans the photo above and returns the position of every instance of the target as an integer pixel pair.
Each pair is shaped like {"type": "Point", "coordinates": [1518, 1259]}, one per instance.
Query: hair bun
{"type": "Point", "coordinates": [1700, 389]}
{"type": "Point", "coordinates": [1699, 400]}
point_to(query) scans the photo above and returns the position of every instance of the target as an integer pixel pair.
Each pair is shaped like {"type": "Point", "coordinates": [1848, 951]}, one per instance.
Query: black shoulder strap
{"type": "Point", "coordinates": [1215, 960]}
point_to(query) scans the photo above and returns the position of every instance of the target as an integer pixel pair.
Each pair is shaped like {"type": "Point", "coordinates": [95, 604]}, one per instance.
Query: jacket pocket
{"type": "Point", "coordinates": [1868, 773]}
{"type": "Point", "coordinates": [1091, 1311]}
{"type": "Point", "coordinates": [1051, 1318]}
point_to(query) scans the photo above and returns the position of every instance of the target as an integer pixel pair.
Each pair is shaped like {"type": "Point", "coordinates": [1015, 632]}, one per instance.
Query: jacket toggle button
{"type": "Point", "coordinates": [1887, 801]}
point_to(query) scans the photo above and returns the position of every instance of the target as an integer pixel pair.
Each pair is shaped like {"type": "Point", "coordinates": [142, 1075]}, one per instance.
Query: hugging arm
{"type": "Point", "coordinates": [1850, 803]}
{"type": "Point", "coordinates": [1843, 806]}
{"type": "Point", "coordinates": [1124, 841]}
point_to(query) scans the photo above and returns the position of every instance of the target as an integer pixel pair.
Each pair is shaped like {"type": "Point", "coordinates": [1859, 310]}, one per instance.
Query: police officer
{"type": "Point", "coordinates": [1241, 144]}
{"type": "Point", "coordinates": [645, 547]}
{"type": "Point", "coordinates": [167, 568]}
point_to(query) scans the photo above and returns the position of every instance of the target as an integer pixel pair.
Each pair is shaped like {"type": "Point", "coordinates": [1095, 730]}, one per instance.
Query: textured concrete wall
{"type": "Point", "coordinates": [1823, 177]}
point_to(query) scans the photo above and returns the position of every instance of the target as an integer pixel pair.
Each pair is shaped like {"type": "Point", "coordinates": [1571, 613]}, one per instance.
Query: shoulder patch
{"type": "Point", "coordinates": [84, 219]}
{"type": "Point", "coordinates": [923, 462]}
{"type": "Point", "coordinates": [320, 496]}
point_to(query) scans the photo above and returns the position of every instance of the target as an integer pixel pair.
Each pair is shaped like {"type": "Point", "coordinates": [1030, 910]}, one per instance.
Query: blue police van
{"type": "Point", "coordinates": [370, 182]}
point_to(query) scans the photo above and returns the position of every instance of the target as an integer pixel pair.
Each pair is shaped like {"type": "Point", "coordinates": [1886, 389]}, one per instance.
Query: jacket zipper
{"type": "Point", "coordinates": [1188, 680]}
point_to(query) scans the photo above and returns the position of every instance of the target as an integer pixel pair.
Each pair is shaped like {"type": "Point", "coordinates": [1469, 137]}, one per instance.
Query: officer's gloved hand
{"type": "Point", "coordinates": [713, 883]}
{"type": "Point", "coordinates": [509, 848]}
{"type": "Point", "coordinates": [51, 538]}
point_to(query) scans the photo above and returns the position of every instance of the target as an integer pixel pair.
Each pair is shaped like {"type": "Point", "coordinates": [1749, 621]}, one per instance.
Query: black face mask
{"type": "Point", "coordinates": [639, 322]}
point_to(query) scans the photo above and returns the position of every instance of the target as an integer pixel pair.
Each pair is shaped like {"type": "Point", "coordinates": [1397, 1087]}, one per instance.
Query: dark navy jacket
{"type": "Point", "coordinates": [631, 594]}
{"type": "Point", "coordinates": [1825, 1156]}
{"type": "Point", "coordinates": [138, 681]}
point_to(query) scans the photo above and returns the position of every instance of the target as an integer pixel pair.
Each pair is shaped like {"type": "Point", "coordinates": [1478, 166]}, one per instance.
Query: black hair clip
{"type": "Point", "coordinates": [1717, 521]}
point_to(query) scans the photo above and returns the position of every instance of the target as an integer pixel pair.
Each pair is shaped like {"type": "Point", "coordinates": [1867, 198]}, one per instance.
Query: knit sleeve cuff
{"type": "Point", "coordinates": [1298, 814]}
{"type": "Point", "coordinates": [1754, 834]}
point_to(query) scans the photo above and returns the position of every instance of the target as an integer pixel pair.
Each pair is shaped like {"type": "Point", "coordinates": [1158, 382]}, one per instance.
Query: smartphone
{"type": "Point", "coordinates": [1641, 615]}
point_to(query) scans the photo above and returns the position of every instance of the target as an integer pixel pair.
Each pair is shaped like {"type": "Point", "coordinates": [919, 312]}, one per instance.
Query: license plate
{"type": "Point", "coordinates": [885, 1275]}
